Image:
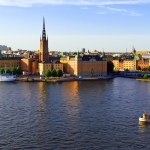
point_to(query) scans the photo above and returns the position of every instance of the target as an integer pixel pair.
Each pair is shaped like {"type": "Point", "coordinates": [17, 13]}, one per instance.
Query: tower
{"type": "Point", "coordinates": [43, 53]}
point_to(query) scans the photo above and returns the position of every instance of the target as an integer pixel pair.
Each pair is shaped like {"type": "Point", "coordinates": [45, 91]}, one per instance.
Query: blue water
{"type": "Point", "coordinates": [85, 115]}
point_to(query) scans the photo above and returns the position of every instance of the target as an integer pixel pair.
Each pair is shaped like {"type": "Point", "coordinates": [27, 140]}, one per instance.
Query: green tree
{"type": "Point", "coordinates": [59, 73]}
{"type": "Point", "coordinates": [54, 73]}
{"type": "Point", "coordinates": [19, 70]}
{"type": "Point", "coordinates": [145, 76]}
{"type": "Point", "coordinates": [48, 73]}
{"type": "Point", "coordinates": [8, 71]}
{"type": "Point", "coordinates": [110, 67]}
{"type": "Point", "coordinates": [14, 71]}
{"type": "Point", "coordinates": [2, 71]}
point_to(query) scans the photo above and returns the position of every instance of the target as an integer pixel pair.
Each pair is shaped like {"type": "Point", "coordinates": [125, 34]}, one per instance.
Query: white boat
{"type": "Point", "coordinates": [145, 119]}
{"type": "Point", "coordinates": [7, 78]}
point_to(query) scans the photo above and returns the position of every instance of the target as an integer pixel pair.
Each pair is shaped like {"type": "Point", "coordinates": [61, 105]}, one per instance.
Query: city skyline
{"type": "Point", "coordinates": [104, 25]}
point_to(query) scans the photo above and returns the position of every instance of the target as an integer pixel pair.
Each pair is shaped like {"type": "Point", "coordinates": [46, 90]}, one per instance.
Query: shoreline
{"type": "Point", "coordinates": [141, 79]}
{"type": "Point", "coordinates": [61, 79]}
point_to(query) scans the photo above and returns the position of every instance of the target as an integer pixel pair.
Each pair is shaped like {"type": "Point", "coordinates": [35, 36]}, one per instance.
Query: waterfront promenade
{"type": "Point", "coordinates": [59, 79]}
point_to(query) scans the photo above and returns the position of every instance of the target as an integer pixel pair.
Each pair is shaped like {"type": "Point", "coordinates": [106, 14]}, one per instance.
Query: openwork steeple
{"type": "Point", "coordinates": [43, 53]}
{"type": "Point", "coordinates": [44, 31]}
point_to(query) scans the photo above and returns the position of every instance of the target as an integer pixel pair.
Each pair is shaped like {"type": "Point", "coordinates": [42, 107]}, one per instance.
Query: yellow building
{"type": "Point", "coordinates": [57, 66]}
{"type": "Point", "coordinates": [142, 52]}
{"type": "Point", "coordinates": [43, 67]}
{"type": "Point", "coordinates": [116, 65]}
{"type": "Point", "coordinates": [10, 62]}
{"type": "Point", "coordinates": [87, 66]}
{"type": "Point", "coordinates": [129, 64]}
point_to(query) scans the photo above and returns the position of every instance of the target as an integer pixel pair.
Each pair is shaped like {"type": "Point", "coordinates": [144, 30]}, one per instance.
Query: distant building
{"type": "Point", "coordinates": [3, 48]}
{"type": "Point", "coordinates": [127, 64]}
{"type": "Point", "coordinates": [143, 64]}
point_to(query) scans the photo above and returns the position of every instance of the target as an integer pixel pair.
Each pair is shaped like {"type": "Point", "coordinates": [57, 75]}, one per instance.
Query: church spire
{"type": "Point", "coordinates": [44, 31]}
{"type": "Point", "coordinates": [43, 23]}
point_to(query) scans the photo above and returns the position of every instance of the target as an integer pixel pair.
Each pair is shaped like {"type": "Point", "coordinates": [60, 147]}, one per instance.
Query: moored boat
{"type": "Point", "coordinates": [7, 78]}
{"type": "Point", "coordinates": [144, 119]}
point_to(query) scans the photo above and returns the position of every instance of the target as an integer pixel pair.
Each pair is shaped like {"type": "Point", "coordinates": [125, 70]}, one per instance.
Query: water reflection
{"type": "Point", "coordinates": [72, 100]}
{"type": "Point", "coordinates": [42, 95]}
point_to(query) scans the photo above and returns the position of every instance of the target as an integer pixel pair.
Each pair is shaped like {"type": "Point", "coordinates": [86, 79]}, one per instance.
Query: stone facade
{"type": "Point", "coordinates": [87, 66]}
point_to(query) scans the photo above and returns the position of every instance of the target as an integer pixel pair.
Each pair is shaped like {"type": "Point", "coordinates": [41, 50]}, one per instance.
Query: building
{"type": "Point", "coordinates": [129, 65]}
{"type": "Point", "coordinates": [43, 53]}
{"type": "Point", "coordinates": [86, 66]}
{"type": "Point", "coordinates": [29, 66]}
{"type": "Point", "coordinates": [10, 62]}
{"type": "Point", "coordinates": [143, 64]}
{"type": "Point", "coordinates": [116, 63]}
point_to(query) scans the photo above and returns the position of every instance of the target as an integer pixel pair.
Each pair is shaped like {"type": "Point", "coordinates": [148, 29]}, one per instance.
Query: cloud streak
{"type": "Point", "coordinates": [108, 5]}
{"type": "Point", "coordinates": [29, 3]}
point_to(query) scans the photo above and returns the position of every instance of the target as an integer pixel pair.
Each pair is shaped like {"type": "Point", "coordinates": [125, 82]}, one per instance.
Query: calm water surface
{"type": "Point", "coordinates": [89, 115]}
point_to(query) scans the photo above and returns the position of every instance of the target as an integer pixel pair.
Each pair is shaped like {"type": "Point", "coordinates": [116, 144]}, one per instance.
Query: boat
{"type": "Point", "coordinates": [144, 119]}
{"type": "Point", "coordinates": [7, 78]}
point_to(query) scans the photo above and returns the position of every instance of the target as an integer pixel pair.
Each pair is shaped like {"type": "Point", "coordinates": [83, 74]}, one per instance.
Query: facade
{"type": "Point", "coordinates": [29, 66]}
{"type": "Point", "coordinates": [129, 64]}
{"type": "Point", "coordinates": [43, 67]}
{"type": "Point", "coordinates": [116, 64]}
{"type": "Point", "coordinates": [86, 66]}
{"type": "Point", "coordinates": [10, 62]}
{"type": "Point", "coordinates": [120, 65]}
{"type": "Point", "coordinates": [143, 64]}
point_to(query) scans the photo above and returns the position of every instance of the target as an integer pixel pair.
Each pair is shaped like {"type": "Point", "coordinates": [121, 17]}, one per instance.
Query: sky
{"type": "Point", "coordinates": [103, 25]}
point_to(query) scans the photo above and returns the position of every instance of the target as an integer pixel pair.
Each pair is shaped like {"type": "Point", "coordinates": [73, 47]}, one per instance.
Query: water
{"type": "Point", "coordinates": [87, 115]}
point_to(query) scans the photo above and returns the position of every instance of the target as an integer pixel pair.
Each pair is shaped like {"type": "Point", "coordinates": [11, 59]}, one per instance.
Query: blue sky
{"type": "Point", "coordinates": [109, 25]}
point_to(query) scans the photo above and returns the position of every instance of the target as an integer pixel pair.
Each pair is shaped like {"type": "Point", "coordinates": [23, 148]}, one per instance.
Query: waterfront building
{"type": "Point", "coordinates": [129, 64]}
{"type": "Point", "coordinates": [85, 66]}
{"type": "Point", "coordinates": [116, 63]}
{"type": "Point", "coordinates": [143, 64]}
{"type": "Point", "coordinates": [43, 53]}
{"type": "Point", "coordinates": [29, 66]}
{"type": "Point", "coordinates": [10, 62]}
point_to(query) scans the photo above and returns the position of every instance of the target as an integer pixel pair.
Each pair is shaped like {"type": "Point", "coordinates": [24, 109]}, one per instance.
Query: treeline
{"type": "Point", "coordinates": [14, 71]}
{"type": "Point", "coordinates": [53, 73]}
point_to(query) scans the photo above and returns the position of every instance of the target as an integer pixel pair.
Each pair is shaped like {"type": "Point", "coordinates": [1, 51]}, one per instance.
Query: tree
{"type": "Point", "coordinates": [8, 71]}
{"type": "Point", "coordinates": [54, 73]}
{"type": "Point", "coordinates": [19, 70]}
{"type": "Point", "coordinates": [110, 67]}
{"type": "Point", "coordinates": [145, 76]}
{"type": "Point", "coordinates": [59, 73]}
{"type": "Point", "coordinates": [48, 73]}
{"type": "Point", "coordinates": [2, 71]}
{"type": "Point", "coordinates": [14, 71]}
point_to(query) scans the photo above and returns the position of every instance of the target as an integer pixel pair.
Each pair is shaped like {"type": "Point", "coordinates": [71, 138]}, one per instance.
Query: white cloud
{"type": "Point", "coordinates": [27, 3]}
{"type": "Point", "coordinates": [84, 4]}
{"type": "Point", "coordinates": [123, 11]}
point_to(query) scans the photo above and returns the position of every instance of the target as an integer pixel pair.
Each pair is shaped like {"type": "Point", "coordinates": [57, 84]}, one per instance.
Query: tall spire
{"type": "Point", "coordinates": [44, 31]}
{"type": "Point", "coordinates": [43, 23]}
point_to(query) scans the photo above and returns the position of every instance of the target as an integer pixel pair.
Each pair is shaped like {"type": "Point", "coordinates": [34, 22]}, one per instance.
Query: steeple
{"type": "Point", "coordinates": [43, 53]}
{"type": "Point", "coordinates": [44, 31]}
